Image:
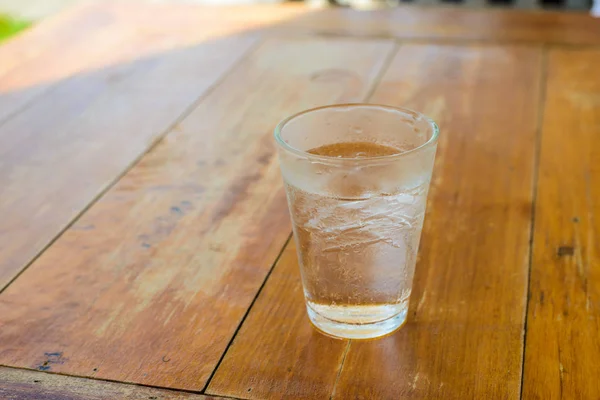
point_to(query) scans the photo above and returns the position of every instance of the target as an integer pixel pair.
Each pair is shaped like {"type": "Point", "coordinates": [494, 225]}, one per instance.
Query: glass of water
{"type": "Point", "coordinates": [356, 178]}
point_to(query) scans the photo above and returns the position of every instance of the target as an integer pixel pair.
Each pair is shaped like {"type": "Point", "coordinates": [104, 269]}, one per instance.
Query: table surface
{"type": "Point", "coordinates": [144, 232]}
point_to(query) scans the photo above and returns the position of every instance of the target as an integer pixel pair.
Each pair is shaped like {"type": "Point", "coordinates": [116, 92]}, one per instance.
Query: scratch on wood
{"type": "Point", "coordinates": [422, 300]}
{"type": "Point", "coordinates": [587, 303]}
{"type": "Point", "coordinates": [108, 320]}
{"type": "Point", "coordinates": [591, 240]}
{"type": "Point", "coordinates": [437, 107]}
{"type": "Point", "coordinates": [581, 268]}
{"type": "Point", "coordinates": [415, 380]}
{"type": "Point", "coordinates": [169, 317]}
{"type": "Point", "coordinates": [561, 370]}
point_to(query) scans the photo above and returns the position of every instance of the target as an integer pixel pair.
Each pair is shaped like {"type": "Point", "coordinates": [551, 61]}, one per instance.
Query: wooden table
{"type": "Point", "coordinates": [144, 233]}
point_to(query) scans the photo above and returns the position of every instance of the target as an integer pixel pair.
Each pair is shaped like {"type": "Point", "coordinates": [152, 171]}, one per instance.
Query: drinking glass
{"type": "Point", "coordinates": [356, 178]}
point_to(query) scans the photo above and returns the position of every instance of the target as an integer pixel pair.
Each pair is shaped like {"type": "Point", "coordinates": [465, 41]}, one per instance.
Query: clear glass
{"type": "Point", "coordinates": [357, 204]}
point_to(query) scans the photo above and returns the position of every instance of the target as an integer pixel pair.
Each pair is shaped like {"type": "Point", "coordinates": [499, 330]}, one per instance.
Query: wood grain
{"type": "Point", "coordinates": [464, 335]}
{"type": "Point", "coordinates": [70, 144]}
{"type": "Point", "coordinates": [562, 342]}
{"type": "Point", "coordinates": [18, 384]}
{"type": "Point", "coordinates": [151, 283]}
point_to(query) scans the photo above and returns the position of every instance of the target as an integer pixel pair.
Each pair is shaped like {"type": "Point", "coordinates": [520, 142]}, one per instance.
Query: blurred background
{"type": "Point", "coordinates": [18, 14]}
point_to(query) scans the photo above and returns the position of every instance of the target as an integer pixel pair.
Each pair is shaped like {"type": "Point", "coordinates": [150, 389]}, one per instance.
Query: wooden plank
{"type": "Point", "coordinates": [562, 346]}
{"type": "Point", "coordinates": [47, 39]}
{"type": "Point", "coordinates": [74, 66]}
{"type": "Point", "coordinates": [464, 335]}
{"type": "Point", "coordinates": [222, 20]}
{"type": "Point", "coordinates": [95, 35]}
{"type": "Point", "coordinates": [150, 284]}
{"type": "Point", "coordinates": [404, 22]}
{"type": "Point", "coordinates": [456, 24]}
{"type": "Point", "coordinates": [70, 144]}
{"type": "Point", "coordinates": [18, 384]}
{"type": "Point", "coordinates": [414, 22]}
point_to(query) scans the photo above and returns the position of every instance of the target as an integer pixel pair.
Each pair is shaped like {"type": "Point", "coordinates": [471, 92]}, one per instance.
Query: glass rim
{"type": "Point", "coordinates": [392, 157]}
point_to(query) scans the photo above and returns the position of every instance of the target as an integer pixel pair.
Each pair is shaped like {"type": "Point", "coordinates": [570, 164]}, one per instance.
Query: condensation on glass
{"type": "Point", "coordinates": [356, 178]}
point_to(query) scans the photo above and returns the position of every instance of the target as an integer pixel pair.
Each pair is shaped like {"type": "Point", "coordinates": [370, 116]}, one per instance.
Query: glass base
{"type": "Point", "coordinates": [346, 330]}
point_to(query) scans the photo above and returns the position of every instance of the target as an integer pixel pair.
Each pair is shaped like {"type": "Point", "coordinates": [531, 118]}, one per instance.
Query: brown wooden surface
{"type": "Point", "coordinates": [73, 141]}
{"type": "Point", "coordinates": [455, 24]}
{"type": "Point", "coordinates": [176, 249]}
{"type": "Point", "coordinates": [18, 384]}
{"type": "Point", "coordinates": [160, 272]}
{"type": "Point", "coordinates": [470, 284]}
{"type": "Point", "coordinates": [464, 338]}
{"type": "Point", "coordinates": [427, 23]}
{"type": "Point", "coordinates": [277, 354]}
{"type": "Point", "coordinates": [49, 44]}
{"type": "Point", "coordinates": [563, 335]}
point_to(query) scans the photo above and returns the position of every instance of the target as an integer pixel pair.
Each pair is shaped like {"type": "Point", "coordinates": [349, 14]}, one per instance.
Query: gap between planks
{"type": "Point", "coordinates": [542, 89]}
{"type": "Point", "coordinates": [237, 329]}
{"type": "Point", "coordinates": [131, 384]}
{"type": "Point", "coordinates": [436, 40]}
